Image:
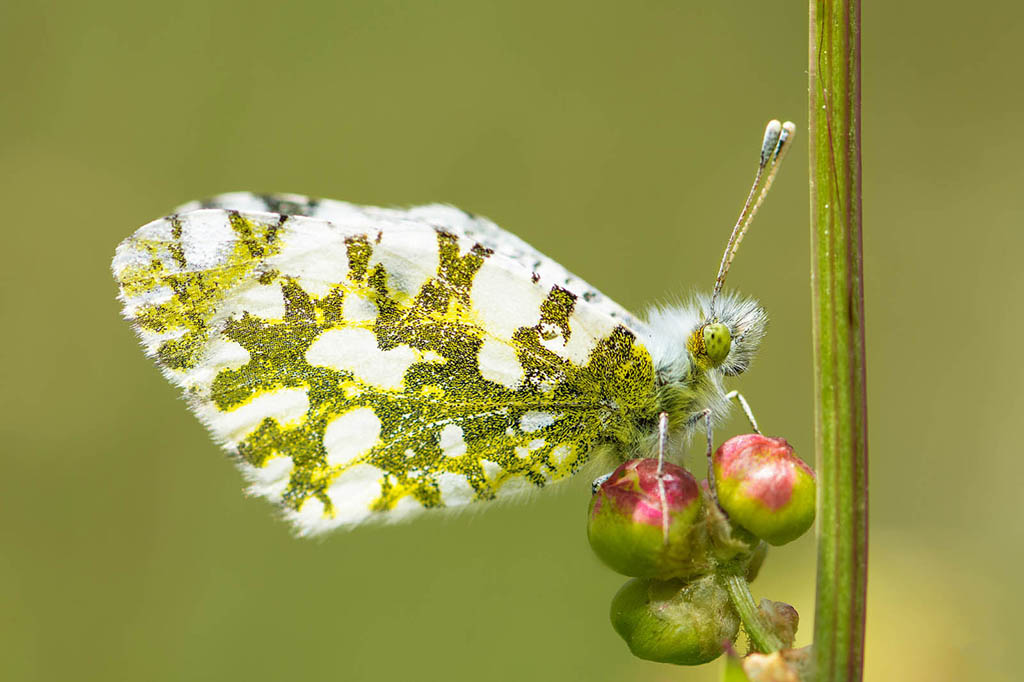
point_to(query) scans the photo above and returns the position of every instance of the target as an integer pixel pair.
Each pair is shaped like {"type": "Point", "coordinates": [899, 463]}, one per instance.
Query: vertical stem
{"type": "Point", "coordinates": [838, 293]}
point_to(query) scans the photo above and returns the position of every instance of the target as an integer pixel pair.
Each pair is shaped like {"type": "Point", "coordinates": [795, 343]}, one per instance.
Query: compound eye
{"type": "Point", "coordinates": [717, 342]}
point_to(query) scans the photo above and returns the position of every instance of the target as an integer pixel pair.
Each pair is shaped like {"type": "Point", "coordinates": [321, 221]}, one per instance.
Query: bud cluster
{"type": "Point", "coordinates": [679, 539]}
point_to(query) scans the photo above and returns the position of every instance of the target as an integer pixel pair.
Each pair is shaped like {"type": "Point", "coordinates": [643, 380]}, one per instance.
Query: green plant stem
{"type": "Point", "coordinates": [838, 293]}
{"type": "Point", "coordinates": [762, 636]}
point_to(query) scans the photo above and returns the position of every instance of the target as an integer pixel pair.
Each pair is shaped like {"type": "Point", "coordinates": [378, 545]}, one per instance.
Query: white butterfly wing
{"type": "Point", "coordinates": [475, 228]}
{"type": "Point", "coordinates": [375, 365]}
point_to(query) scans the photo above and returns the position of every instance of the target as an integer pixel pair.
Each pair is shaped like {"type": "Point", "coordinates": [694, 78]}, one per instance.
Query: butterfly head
{"type": "Point", "coordinates": [687, 337]}
{"type": "Point", "coordinates": [711, 343]}
{"type": "Point", "coordinates": [728, 340]}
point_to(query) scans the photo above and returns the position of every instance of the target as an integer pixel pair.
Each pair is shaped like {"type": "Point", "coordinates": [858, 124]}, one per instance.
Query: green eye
{"type": "Point", "coordinates": [717, 341]}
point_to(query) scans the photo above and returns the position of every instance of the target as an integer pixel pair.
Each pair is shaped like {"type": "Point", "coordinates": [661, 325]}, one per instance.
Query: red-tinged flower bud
{"type": "Point", "coordinates": [764, 487]}
{"type": "Point", "coordinates": [639, 524]}
{"type": "Point", "coordinates": [673, 621]}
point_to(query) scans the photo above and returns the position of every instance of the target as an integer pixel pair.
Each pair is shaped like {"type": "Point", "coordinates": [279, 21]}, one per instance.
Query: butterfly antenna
{"type": "Point", "coordinates": [777, 137]}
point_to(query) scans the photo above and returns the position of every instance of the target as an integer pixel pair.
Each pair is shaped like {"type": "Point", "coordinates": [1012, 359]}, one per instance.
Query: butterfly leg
{"type": "Point", "coordinates": [706, 416]}
{"type": "Point", "coordinates": [662, 443]}
{"type": "Point", "coordinates": [745, 406]}
{"type": "Point", "coordinates": [711, 468]}
{"type": "Point", "coordinates": [599, 481]}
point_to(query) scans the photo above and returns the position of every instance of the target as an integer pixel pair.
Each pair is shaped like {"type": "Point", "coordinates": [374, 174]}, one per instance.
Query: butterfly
{"type": "Point", "coordinates": [365, 364]}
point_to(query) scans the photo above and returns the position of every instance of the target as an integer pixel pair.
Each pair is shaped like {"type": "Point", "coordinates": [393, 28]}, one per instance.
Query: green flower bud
{"type": "Point", "coordinates": [633, 531]}
{"type": "Point", "coordinates": [764, 487]}
{"type": "Point", "coordinates": [675, 622]}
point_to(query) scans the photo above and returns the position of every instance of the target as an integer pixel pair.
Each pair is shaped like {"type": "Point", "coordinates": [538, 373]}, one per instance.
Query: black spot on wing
{"type": "Point", "coordinates": [282, 205]}
{"type": "Point", "coordinates": [555, 312]}
{"type": "Point", "coordinates": [176, 248]}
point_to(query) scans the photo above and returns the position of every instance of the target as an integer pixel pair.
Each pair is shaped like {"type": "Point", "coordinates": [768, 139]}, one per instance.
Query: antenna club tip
{"type": "Point", "coordinates": [775, 128]}
{"type": "Point", "coordinates": [771, 133]}
{"type": "Point", "coordinates": [777, 137]}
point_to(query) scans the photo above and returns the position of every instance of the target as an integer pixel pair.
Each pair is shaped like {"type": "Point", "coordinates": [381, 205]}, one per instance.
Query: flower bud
{"type": "Point", "coordinates": [782, 618]}
{"type": "Point", "coordinates": [675, 622]}
{"type": "Point", "coordinates": [764, 487]}
{"type": "Point", "coordinates": [788, 665]}
{"type": "Point", "coordinates": [634, 529]}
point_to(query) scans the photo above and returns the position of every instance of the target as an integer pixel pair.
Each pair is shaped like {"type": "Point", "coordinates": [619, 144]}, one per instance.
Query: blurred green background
{"type": "Point", "coordinates": [617, 137]}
